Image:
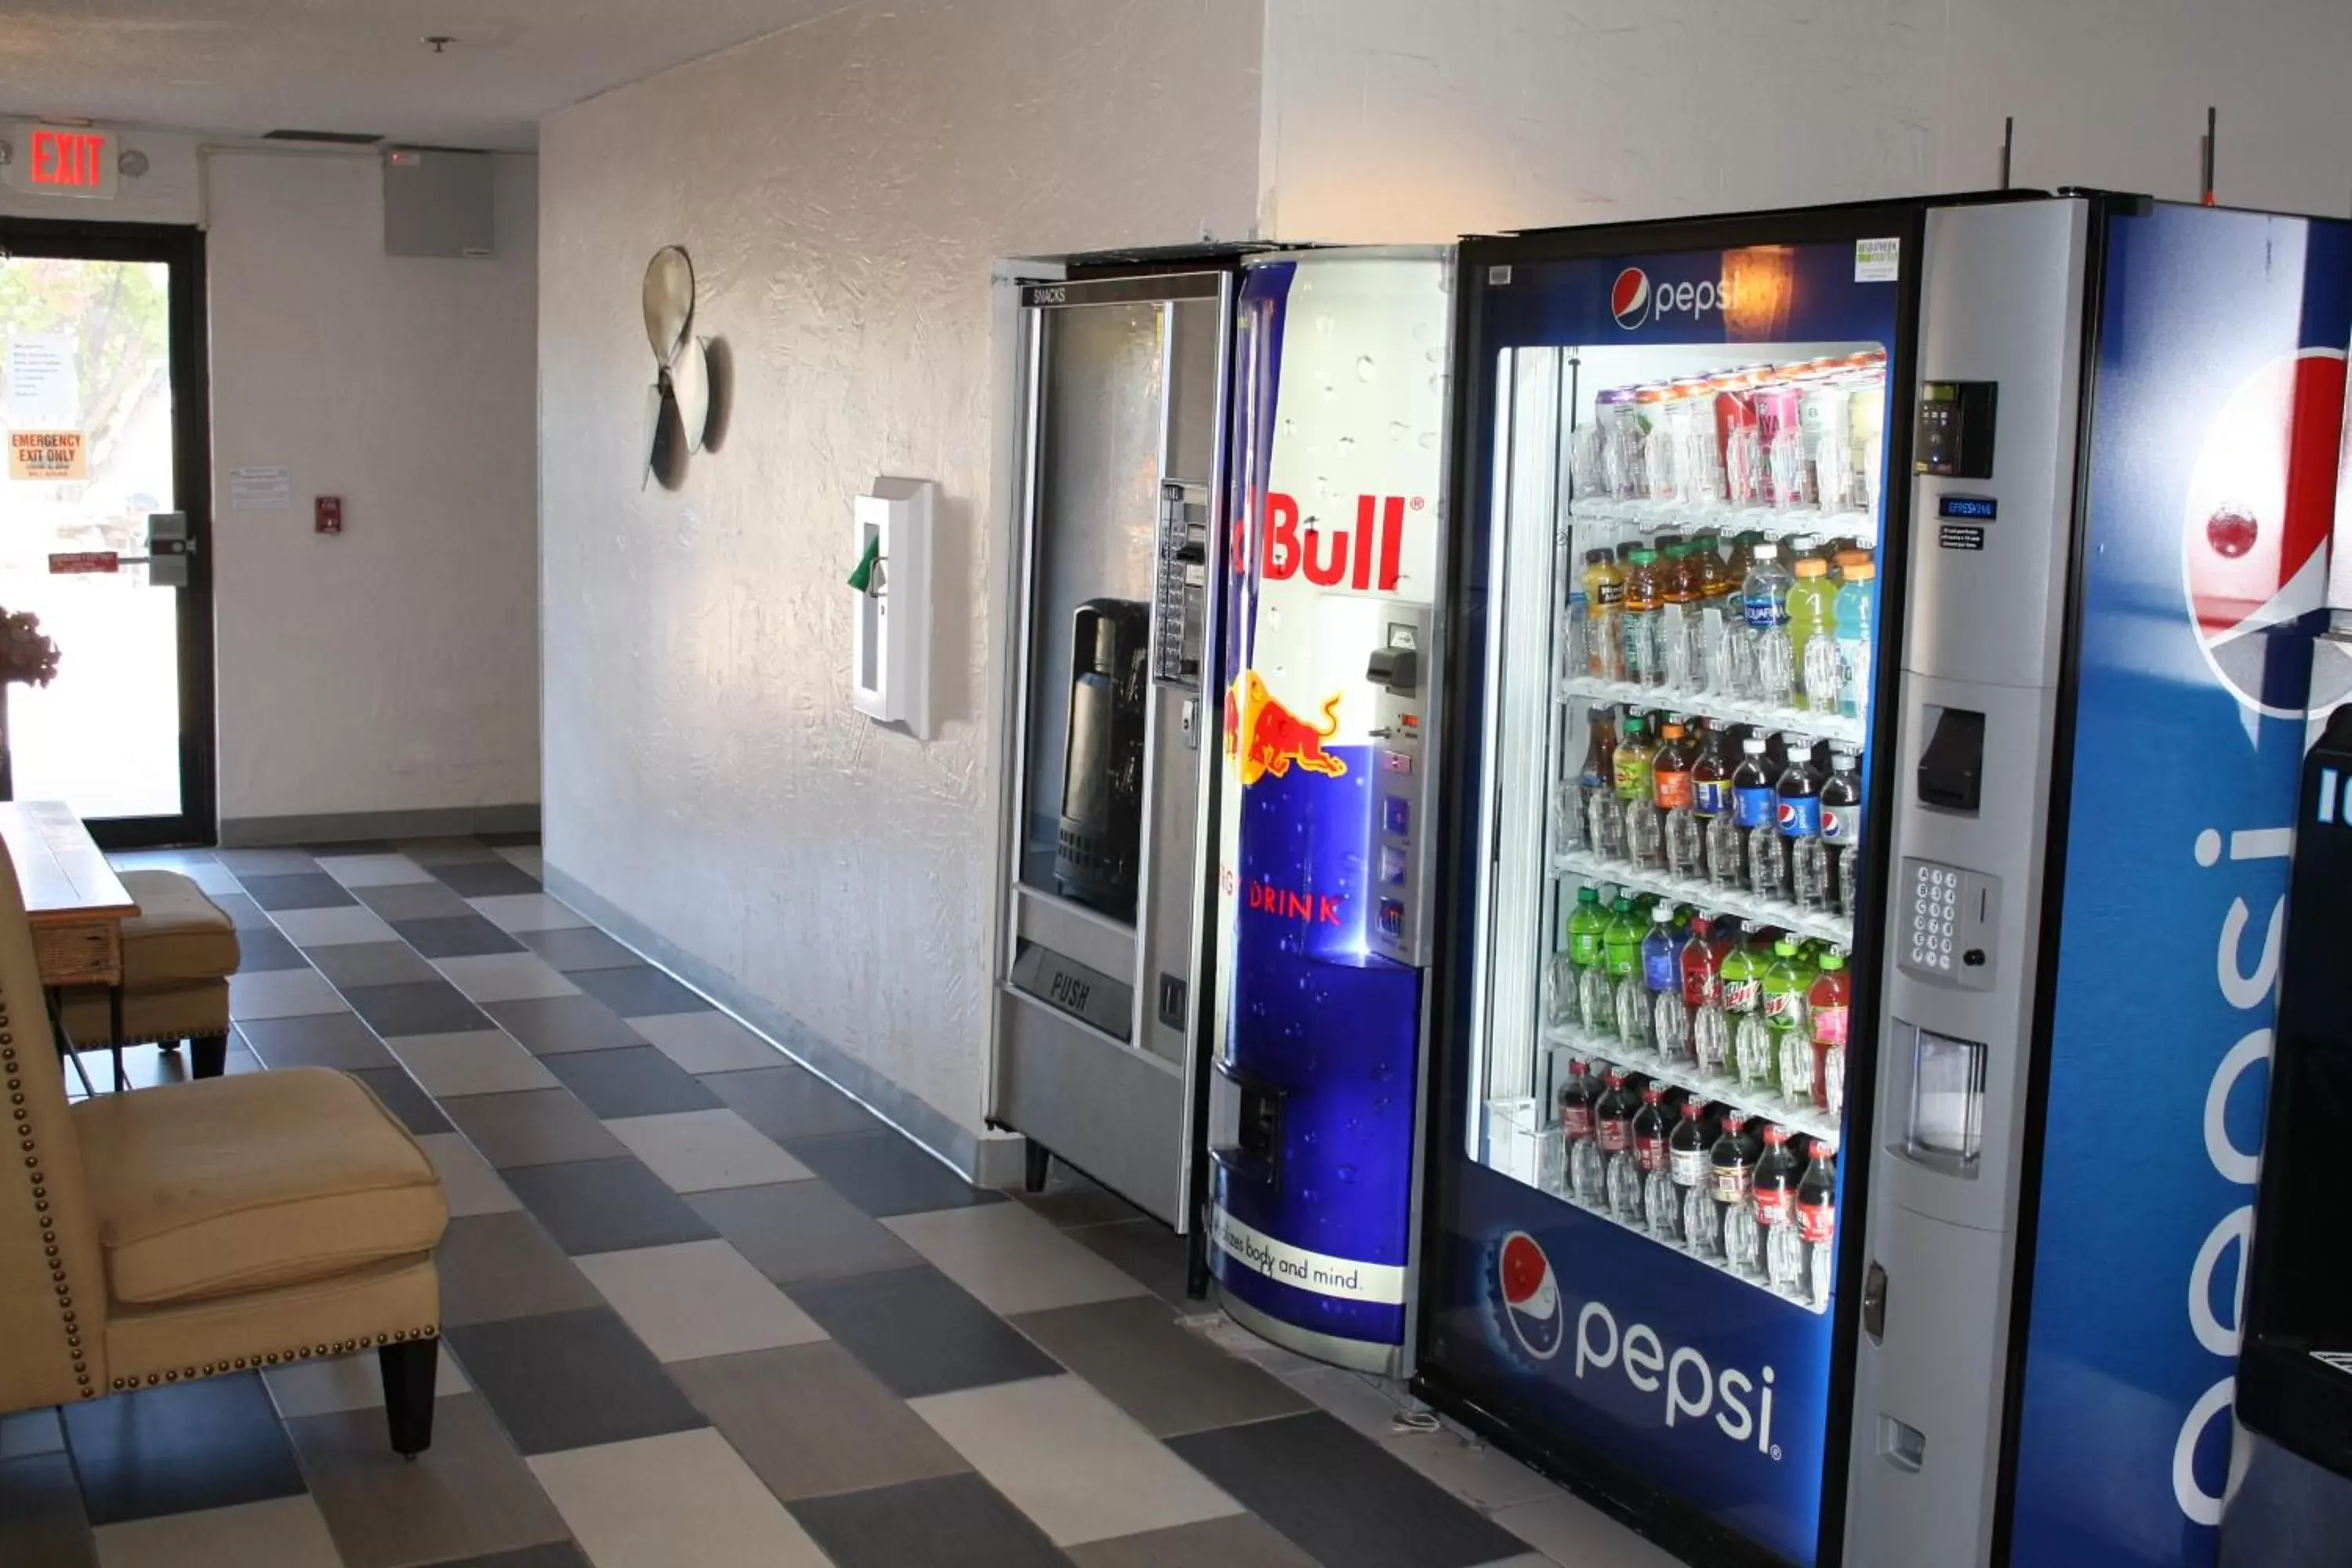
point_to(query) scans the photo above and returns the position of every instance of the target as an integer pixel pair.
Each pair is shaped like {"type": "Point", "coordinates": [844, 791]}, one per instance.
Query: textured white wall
{"type": "Point", "coordinates": [843, 188]}
{"type": "Point", "coordinates": [1398, 120]}
{"type": "Point", "coordinates": [393, 668]}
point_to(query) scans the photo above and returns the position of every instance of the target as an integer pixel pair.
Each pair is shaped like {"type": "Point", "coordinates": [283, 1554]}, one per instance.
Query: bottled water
{"type": "Point", "coordinates": [1764, 605]}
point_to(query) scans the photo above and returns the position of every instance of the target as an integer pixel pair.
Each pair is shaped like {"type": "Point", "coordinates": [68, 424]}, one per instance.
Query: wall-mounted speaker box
{"type": "Point", "coordinates": [437, 202]}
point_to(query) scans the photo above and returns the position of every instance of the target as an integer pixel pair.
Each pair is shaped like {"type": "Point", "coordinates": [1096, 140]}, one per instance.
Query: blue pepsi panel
{"type": "Point", "coordinates": [2213, 466]}
{"type": "Point", "coordinates": [1709, 1388]}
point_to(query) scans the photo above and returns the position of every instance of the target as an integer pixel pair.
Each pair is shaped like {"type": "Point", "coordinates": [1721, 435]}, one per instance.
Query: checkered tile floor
{"type": "Point", "coordinates": [702, 1310]}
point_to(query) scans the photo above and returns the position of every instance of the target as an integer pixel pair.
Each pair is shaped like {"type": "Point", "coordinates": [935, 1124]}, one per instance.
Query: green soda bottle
{"type": "Point", "coordinates": [1786, 982]}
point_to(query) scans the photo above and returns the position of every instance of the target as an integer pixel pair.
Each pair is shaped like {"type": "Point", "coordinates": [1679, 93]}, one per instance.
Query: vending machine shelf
{"type": "Point", "coordinates": [1756, 1104]}
{"type": "Point", "coordinates": [1588, 867]}
{"type": "Point", "coordinates": [1836, 728]}
{"type": "Point", "coordinates": [1772, 522]}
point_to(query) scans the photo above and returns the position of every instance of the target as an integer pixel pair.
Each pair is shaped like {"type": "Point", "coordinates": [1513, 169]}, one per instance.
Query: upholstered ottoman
{"type": "Point", "coordinates": [178, 952]}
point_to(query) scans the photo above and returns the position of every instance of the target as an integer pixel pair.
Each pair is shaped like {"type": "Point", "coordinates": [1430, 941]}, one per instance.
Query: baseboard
{"type": "Point", "coordinates": [351, 826]}
{"type": "Point", "coordinates": [987, 1162]}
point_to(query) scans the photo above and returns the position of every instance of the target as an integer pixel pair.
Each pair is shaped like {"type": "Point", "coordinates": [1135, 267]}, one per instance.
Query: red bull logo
{"type": "Point", "coordinates": [2261, 506]}
{"type": "Point", "coordinates": [1369, 558]}
{"type": "Point", "coordinates": [1264, 736]}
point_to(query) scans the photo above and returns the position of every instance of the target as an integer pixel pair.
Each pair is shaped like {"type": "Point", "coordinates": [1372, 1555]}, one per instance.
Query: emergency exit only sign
{"type": "Point", "coordinates": [63, 159]}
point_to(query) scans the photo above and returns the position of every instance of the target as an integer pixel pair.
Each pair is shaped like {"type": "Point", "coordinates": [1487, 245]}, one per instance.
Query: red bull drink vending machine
{"type": "Point", "coordinates": [1879, 646]}
{"type": "Point", "coordinates": [1331, 686]}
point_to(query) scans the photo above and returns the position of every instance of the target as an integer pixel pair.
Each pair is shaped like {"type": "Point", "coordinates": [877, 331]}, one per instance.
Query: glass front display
{"type": "Point", "coordinates": [1682, 695]}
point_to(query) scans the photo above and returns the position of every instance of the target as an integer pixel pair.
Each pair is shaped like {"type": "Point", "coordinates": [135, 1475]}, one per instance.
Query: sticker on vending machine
{"type": "Point", "coordinates": [1877, 260]}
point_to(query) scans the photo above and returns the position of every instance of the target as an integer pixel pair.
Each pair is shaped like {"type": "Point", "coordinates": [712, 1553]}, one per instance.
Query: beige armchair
{"type": "Point", "coordinates": [197, 1229]}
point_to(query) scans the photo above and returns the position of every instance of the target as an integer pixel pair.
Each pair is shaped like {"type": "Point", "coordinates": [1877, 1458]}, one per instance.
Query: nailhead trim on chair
{"type": "Point", "coordinates": [27, 1145]}
{"type": "Point", "coordinates": [278, 1358]}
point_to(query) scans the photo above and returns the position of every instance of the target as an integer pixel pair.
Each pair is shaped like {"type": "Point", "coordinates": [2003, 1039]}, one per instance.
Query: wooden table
{"type": "Point", "coordinates": [76, 902]}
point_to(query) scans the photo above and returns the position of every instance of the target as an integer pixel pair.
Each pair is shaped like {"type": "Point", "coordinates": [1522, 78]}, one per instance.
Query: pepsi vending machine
{"type": "Point", "coordinates": [1879, 635]}
{"type": "Point", "coordinates": [1325, 822]}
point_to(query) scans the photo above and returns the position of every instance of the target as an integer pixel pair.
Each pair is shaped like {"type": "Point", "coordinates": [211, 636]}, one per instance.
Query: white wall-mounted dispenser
{"type": "Point", "coordinates": [891, 663]}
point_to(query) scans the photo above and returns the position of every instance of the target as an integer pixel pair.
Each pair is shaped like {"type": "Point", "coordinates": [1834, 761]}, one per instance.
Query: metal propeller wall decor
{"type": "Point", "coordinates": [679, 405]}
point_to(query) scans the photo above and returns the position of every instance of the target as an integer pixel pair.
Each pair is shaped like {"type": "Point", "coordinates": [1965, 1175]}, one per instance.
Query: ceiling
{"type": "Point", "coordinates": [243, 67]}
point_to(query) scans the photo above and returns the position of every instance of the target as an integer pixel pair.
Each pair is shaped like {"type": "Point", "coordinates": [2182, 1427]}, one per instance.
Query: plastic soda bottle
{"type": "Point", "coordinates": [1590, 996]}
{"type": "Point", "coordinates": [1605, 823]}
{"type": "Point", "coordinates": [1678, 645]}
{"type": "Point", "coordinates": [1671, 792]}
{"type": "Point", "coordinates": [1743, 1011]}
{"type": "Point", "coordinates": [1764, 605]}
{"type": "Point", "coordinates": [1644, 595]}
{"type": "Point", "coordinates": [1604, 609]}
{"type": "Point", "coordinates": [1812, 635]}
{"type": "Point", "coordinates": [1629, 1000]}
{"type": "Point", "coordinates": [1576, 1130]}
{"type": "Point", "coordinates": [1799, 807]}
{"type": "Point", "coordinates": [1711, 805]}
{"type": "Point", "coordinates": [1636, 757]}
{"type": "Point", "coordinates": [1662, 975]}
{"type": "Point", "coordinates": [1651, 1124]}
{"type": "Point", "coordinates": [1613, 1124]}
{"type": "Point", "coordinates": [1842, 826]}
{"type": "Point", "coordinates": [1777, 1171]}
{"type": "Point", "coordinates": [1688, 1148]}
{"type": "Point", "coordinates": [1701, 998]}
{"type": "Point", "coordinates": [1856, 610]}
{"type": "Point", "coordinates": [1817, 1220]}
{"type": "Point", "coordinates": [1756, 807]}
{"type": "Point", "coordinates": [1829, 1009]}
{"type": "Point", "coordinates": [1731, 1176]}
{"type": "Point", "coordinates": [1787, 982]}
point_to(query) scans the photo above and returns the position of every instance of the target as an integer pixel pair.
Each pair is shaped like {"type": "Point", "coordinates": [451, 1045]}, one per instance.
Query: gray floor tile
{"type": "Point", "coordinates": [405, 1098]}
{"type": "Point", "coordinates": [1481, 1475]}
{"type": "Point", "coordinates": [456, 936]}
{"type": "Point", "coordinates": [321, 1041]}
{"type": "Point", "coordinates": [1238, 1540]}
{"type": "Point", "coordinates": [447, 850]}
{"type": "Point", "coordinates": [500, 1266]}
{"type": "Point", "coordinates": [1167, 1377]}
{"type": "Point", "coordinates": [919, 1332]}
{"type": "Point", "coordinates": [638, 993]}
{"type": "Point", "coordinates": [472, 1185]}
{"type": "Point", "coordinates": [956, 1519]}
{"type": "Point", "coordinates": [472, 1061]}
{"type": "Point", "coordinates": [266, 862]}
{"type": "Point", "coordinates": [520, 913]}
{"type": "Point", "coordinates": [555, 1554]}
{"type": "Point", "coordinates": [552, 1025]}
{"type": "Point", "coordinates": [311, 889]}
{"type": "Point", "coordinates": [605, 1205]}
{"type": "Point", "coordinates": [242, 912]}
{"type": "Point", "coordinates": [258, 949]}
{"type": "Point", "coordinates": [505, 976]}
{"type": "Point", "coordinates": [802, 1230]}
{"type": "Point", "coordinates": [789, 1101]}
{"type": "Point", "coordinates": [1013, 1260]}
{"type": "Point", "coordinates": [1567, 1528]}
{"type": "Point", "coordinates": [470, 1493]}
{"type": "Point", "coordinates": [1342, 1500]}
{"type": "Point", "coordinates": [680, 1499]}
{"type": "Point", "coordinates": [323, 1385]}
{"type": "Point", "coordinates": [363, 963]}
{"type": "Point", "coordinates": [696, 1150]}
{"type": "Point", "coordinates": [539, 1127]}
{"type": "Point", "coordinates": [426, 901]}
{"type": "Point", "coordinates": [356, 870]}
{"type": "Point", "coordinates": [332, 928]}
{"type": "Point", "coordinates": [885, 1173]}
{"type": "Point", "coordinates": [283, 994]}
{"type": "Point", "coordinates": [697, 1300]}
{"type": "Point", "coordinates": [41, 1519]}
{"type": "Point", "coordinates": [1069, 1199]}
{"type": "Point", "coordinates": [483, 878]}
{"type": "Point", "coordinates": [812, 1422]}
{"type": "Point", "coordinates": [348, 846]}
{"type": "Point", "coordinates": [572, 1380]}
{"type": "Point", "coordinates": [284, 1532]}
{"type": "Point", "coordinates": [708, 1041]}
{"type": "Point", "coordinates": [639, 1082]}
{"type": "Point", "coordinates": [1148, 1250]}
{"type": "Point", "coordinates": [579, 947]}
{"type": "Point", "coordinates": [421, 1007]}
{"type": "Point", "coordinates": [162, 859]}
{"type": "Point", "coordinates": [30, 1431]}
{"type": "Point", "coordinates": [210, 1444]}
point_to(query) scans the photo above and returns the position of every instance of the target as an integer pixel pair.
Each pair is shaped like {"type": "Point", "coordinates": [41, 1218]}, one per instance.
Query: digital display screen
{"type": "Point", "coordinates": [1973, 509]}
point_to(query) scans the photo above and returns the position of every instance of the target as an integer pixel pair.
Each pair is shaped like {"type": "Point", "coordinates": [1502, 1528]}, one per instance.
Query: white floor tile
{"type": "Point", "coordinates": [347, 1383]}
{"type": "Point", "coordinates": [471, 1061]}
{"type": "Point", "coordinates": [1071, 1461]}
{"type": "Point", "coordinates": [285, 1533]}
{"type": "Point", "coordinates": [1012, 1259]}
{"type": "Point", "coordinates": [529, 911]}
{"type": "Point", "coordinates": [339, 927]}
{"type": "Point", "coordinates": [373, 870]}
{"type": "Point", "coordinates": [524, 857]}
{"type": "Point", "coordinates": [1567, 1530]}
{"type": "Point", "coordinates": [1481, 1476]}
{"type": "Point", "coordinates": [472, 1184]}
{"type": "Point", "coordinates": [695, 1150]}
{"type": "Point", "coordinates": [660, 1502]}
{"type": "Point", "coordinates": [506, 977]}
{"type": "Point", "coordinates": [709, 1042]}
{"type": "Point", "coordinates": [211, 877]}
{"type": "Point", "coordinates": [697, 1299]}
{"type": "Point", "coordinates": [283, 994]}
{"type": "Point", "coordinates": [1359, 1401]}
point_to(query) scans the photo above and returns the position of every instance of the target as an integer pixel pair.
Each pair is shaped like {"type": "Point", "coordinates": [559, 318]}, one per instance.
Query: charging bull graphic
{"type": "Point", "coordinates": [1266, 737]}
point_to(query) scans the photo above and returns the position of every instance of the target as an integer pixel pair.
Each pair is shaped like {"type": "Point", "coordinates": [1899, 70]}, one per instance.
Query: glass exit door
{"type": "Point", "coordinates": [102, 397]}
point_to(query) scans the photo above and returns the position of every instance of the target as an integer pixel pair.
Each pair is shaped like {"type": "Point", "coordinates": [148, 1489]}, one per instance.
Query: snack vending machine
{"type": "Point", "coordinates": [1878, 641]}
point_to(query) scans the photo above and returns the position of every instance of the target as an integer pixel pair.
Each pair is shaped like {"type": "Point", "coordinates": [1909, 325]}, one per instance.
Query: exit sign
{"type": "Point", "coordinates": [63, 161]}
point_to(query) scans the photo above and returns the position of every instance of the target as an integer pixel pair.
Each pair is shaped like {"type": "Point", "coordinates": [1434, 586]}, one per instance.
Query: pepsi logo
{"type": "Point", "coordinates": [2260, 509]}
{"type": "Point", "coordinates": [1628, 298]}
{"type": "Point", "coordinates": [1790, 814]}
{"type": "Point", "coordinates": [1530, 1296]}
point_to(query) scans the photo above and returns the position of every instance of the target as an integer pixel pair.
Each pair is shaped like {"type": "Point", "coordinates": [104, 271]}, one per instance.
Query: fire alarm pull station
{"type": "Point", "coordinates": [329, 514]}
